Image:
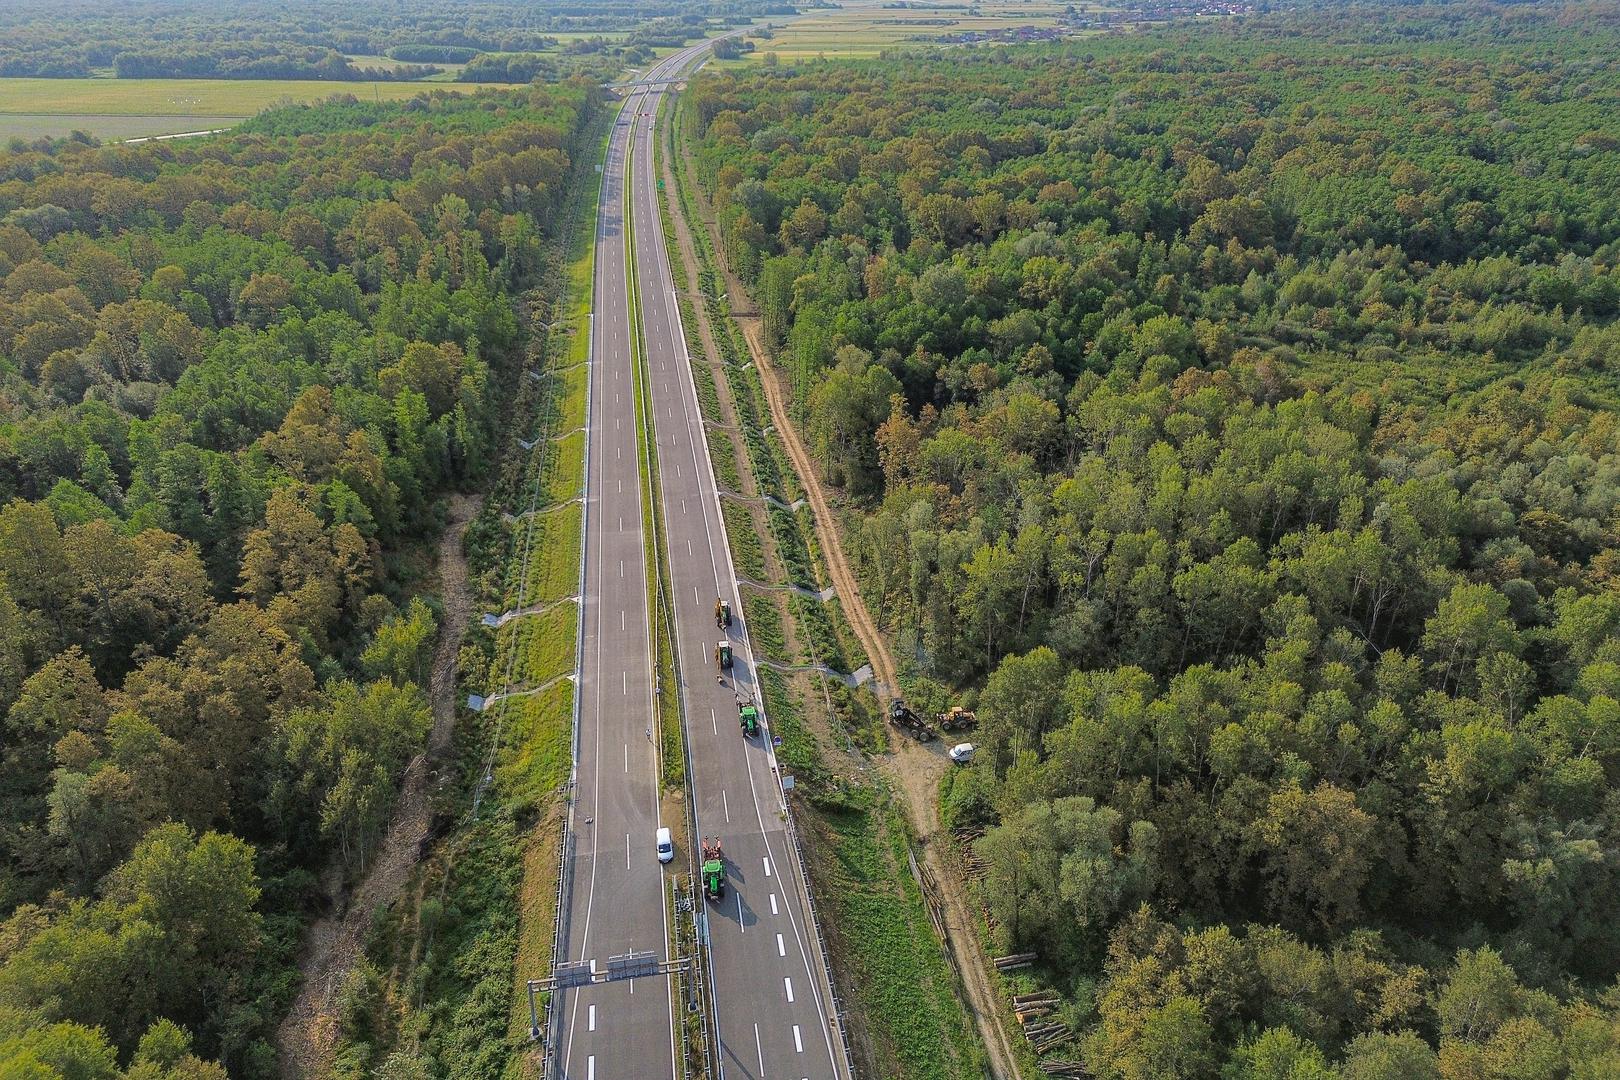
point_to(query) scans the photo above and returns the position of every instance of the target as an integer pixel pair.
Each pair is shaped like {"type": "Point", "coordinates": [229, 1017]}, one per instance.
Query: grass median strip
{"type": "Point", "coordinates": [672, 760]}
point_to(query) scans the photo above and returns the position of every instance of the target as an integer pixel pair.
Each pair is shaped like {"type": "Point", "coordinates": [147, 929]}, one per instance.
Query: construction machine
{"type": "Point", "coordinates": [901, 716]}
{"type": "Point", "coordinates": [957, 719]}
{"type": "Point", "coordinates": [714, 868]}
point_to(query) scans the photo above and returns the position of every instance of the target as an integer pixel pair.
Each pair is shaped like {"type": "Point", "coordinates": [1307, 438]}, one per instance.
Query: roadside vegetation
{"type": "Point", "coordinates": [904, 1016]}
{"type": "Point", "coordinates": [1231, 410]}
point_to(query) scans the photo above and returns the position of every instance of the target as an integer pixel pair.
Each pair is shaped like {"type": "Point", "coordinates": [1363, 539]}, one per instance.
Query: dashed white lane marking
{"type": "Point", "coordinates": [590, 1019]}
{"type": "Point", "coordinates": [590, 1068]}
{"type": "Point", "coordinates": [624, 688]}
{"type": "Point", "coordinates": [683, 506]}
{"type": "Point", "coordinates": [621, 568]}
{"type": "Point", "coordinates": [725, 805]}
{"type": "Point", "coordinates": [767, 860]}
{"type": "Point", "coordinates": [741, 928]}
{"type": "Point", "coordinates": [781, 947]}
{"type": "Point", "coordinates": [798, 1043]}
{"type": "Point", "coordinates": [758, 1049]}
{"type": "Point", "coordinates": [689, 547]}
{"type": "Point", "coordinates": [695, 599]}
{"type": "Point", "coordinates": [773, 905]}
{"type": "Point", "coordinates": [621, 620]}
{"type": "Point", "coordinates": [714, 722]}
{"type": "Point", "coordinates": [787, 984]}
{"type": "Point", "coordinates": [621, 523]}
{"type": "Point", "coordinates": [627, 851]}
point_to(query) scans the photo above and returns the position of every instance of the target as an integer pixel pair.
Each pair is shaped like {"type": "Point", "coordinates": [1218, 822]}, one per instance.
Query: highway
{"type": "Point", "coordinates": [614, 902]}
{"type": "Point", "coordinates": [770, 986]}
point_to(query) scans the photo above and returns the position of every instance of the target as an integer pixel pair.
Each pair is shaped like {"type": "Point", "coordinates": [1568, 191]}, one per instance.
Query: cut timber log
{"type": "Point", "coordinates": [1036, 996]}
{"type": "Point", "coordinates": [1015, 961]}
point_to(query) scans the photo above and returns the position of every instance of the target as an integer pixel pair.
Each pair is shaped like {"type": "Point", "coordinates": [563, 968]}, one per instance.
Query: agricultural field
{"type": "Point", "coordinates": [136, 108]}
{"type": "Point", "coordinates": [863, 29]}
{"type": "Point", "coordinates": [388, 63]}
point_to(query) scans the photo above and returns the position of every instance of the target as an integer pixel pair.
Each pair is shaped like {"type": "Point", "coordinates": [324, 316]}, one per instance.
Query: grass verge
{"type": "Point", "coordinates": [672, 761]}
{"type": "Point", "coordinates": [903, 983]}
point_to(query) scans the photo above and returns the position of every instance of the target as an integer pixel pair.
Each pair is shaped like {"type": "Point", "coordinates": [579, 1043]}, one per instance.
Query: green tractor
{"type": "Point", "coordinates": [748, 719]}
{"type": "Point", "coordinates": [722, 613]}
{"type": "Point", "coordinates": [714, 869]}
{"type": "Point", "coordinates": [722, 656]}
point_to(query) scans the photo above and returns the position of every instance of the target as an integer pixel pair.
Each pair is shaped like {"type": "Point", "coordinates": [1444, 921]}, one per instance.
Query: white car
{"type": "Point", "coordinates": [666, 846]}
{"type": "Point", "coordinates": [962, 752]}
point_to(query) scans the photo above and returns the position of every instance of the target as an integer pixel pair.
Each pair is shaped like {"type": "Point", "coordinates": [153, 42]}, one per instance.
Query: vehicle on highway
{"type": "Point", "coordinates": [962, 752]}
{"type": "Point", "coordinates": [666, 845]}
{"type": "Point", "coordinates": [714, 868]}
{"type": "Point", "coordinates": [748, 719]}
{"type": "Point", "coordinates": [722, 656]}
{"type": "Point", "coordinates": [722, 613]}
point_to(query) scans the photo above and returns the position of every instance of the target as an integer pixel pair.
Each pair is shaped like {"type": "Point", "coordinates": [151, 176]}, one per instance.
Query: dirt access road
{"type": "Point", "coordinates": [306, 1039]}
{"type": "Point", "coordinates": [914, 768]}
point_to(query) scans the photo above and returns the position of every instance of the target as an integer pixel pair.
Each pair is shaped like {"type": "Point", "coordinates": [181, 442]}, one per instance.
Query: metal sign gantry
{"type": "Point", "coordinates": [574, 973]}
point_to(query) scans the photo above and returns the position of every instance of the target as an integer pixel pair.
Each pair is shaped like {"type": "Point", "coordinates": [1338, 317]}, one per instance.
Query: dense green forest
{"type": "Point", "coordinates": [1229, 412]}
{"type": "Point", "coordinates": [313, 39]}
{"type": "Point", "coordinates": [235, 374]}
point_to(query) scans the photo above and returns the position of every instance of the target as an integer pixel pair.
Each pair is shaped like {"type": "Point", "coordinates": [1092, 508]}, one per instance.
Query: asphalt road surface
{"type": "Point", "coordinates": [770, 986]}
{"type": "Point", "coordinates": [615, 901]}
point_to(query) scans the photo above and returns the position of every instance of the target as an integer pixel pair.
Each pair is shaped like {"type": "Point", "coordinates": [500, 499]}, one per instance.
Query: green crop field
{"type": "Point", "coordinates": [133, 108]}
{"type": "Point", "coordinates": [388, 63]}
{"type": "Point", "coordinates": [865, 29]}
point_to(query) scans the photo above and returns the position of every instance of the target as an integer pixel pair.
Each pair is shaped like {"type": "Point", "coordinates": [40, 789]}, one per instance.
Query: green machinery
{"type": "Point", "coordinates": [748, 719]}
{"type": "Point", "coordinates": [722, 613]}
{"type": "Point", "coordinates": [722, 656]}
{"type": "Point", "coordinates": [714, 868]}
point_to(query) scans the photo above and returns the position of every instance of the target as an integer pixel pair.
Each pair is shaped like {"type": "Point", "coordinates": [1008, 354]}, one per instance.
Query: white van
{"type": "Point", "coordinates": [666, 846]}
